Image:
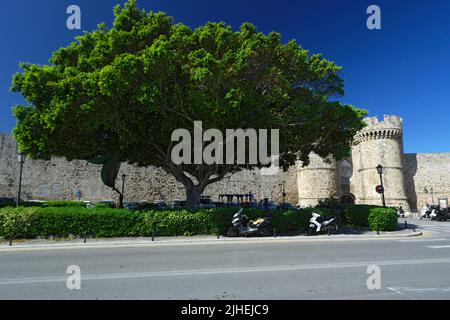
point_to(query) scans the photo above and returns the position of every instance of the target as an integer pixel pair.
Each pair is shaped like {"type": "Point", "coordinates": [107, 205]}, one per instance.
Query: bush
{"type": "Point", "coordinates": [64, 221]}
{"type": "Point", "coordinates": [358, 215]}
{"type": "Point", "coordinates": [374, 217]}
{"type": "Point", "coordinates": [383, 219]}
{"type": "Point", "coordinates": [18, 222]}
{"type": "Point", "coordinates": [106, 222]}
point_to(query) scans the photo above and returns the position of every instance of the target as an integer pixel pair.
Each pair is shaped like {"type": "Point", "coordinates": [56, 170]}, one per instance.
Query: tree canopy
{"type": "Point", "coordinates": [120, 92]}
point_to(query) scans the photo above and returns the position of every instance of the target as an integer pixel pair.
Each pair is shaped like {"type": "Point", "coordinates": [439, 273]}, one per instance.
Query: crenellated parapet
{"type": "Point", "coordinates": [390, 128]}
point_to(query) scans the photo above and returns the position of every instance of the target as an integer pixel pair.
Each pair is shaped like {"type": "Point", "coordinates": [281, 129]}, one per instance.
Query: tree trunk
{"type": "Point", "coordinates": [193, 196]}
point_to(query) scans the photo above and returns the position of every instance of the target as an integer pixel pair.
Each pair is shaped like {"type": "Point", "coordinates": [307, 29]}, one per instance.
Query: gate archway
{"type": "Point", "coordinates": [348, 199]}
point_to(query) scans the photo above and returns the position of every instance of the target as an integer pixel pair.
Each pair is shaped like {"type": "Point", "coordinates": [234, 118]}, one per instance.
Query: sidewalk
{"type": "Point", "coordinates": [78, 244]}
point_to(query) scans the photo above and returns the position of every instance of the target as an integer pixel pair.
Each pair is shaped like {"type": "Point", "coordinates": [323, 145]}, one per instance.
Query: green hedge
{"type": "Point", "coordinates": [383, 219]}
{"type": "Point", "coordinates": [63, 221]}
{"type": "Point", "coordinates": [104, 222]}
{"type": "Point", "coordinates": [374, 217]}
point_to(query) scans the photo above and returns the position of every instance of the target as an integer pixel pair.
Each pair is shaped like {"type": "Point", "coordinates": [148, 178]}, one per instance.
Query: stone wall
{"type": "Point", "coordinates": [59, 180]}
{"type": "Point", "coordinates": [427, 172]}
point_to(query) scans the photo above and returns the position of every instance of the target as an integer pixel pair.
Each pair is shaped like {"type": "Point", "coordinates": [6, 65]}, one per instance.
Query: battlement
{"type": "Point", "coordinates": [391, 127]}
{"type": "Point", "coordinates": [388, 122]}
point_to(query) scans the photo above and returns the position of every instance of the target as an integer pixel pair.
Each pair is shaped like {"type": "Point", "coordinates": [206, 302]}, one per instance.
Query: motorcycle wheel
{"type": "Point", "coordinates": [309, 232]}
{"type": "Point", "coordinates": [232, 233]}
{"type": "Point", "coordinates": [265, 231]}
{"type": "Point", "coordinates": [334, 228]}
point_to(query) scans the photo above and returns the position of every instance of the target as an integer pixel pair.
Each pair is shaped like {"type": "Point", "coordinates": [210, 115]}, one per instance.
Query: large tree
{"type": "Point", "coordinates": [118, 94]}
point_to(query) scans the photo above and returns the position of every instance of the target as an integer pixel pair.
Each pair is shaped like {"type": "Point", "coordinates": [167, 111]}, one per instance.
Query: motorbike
{"type": "Point", "coordinates": [320, 225]}
{"type": "Point", "coordinates": [425, 213]}
{"type": "Point", "coordinates": [438, 214]}
{"type": "Point", "coordinates": [243, 226]}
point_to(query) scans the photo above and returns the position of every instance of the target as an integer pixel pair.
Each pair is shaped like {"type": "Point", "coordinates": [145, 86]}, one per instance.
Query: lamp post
{"type": "Point", "coordinates": [430, 192]}
{"type": "Point", "coordinates": [123, 190]}
{"type": "Point", "coordinates": [21, 159]}
{"type": "Point", "coordinates": [284, 194]}
{"type": "Point", "coordinates": [380, 171]}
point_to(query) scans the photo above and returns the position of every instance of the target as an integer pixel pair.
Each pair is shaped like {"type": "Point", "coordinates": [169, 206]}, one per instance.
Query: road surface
{"type": "Point", "coordinates": [411, 268]}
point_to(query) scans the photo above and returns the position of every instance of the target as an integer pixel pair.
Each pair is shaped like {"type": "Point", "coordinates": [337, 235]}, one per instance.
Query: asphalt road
{"type": "Point", "coordinates": [416, 268]}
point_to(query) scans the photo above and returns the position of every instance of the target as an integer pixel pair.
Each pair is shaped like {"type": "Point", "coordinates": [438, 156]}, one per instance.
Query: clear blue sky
{"type": "Point", "coordinates": [403, 69]}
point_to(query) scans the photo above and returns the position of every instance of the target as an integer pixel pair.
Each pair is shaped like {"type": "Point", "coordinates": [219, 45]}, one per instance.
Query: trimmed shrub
{"type": "Point", "coordinates": [358, 215]}
{"type": "Point", "coordinates": [106, 222]}
{"type": "Point", "coordinates": [18, 222]}
{"type": "Point", "coordinates": [383, 219]}
{"type": "Point", "coordinates": [373, 217]}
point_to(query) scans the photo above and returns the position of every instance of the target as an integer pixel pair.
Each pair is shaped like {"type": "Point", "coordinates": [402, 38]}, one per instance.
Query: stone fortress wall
{"type": "Point", "coordinates": [410, 180]}
{"type": "Point", "coordinates": [59, 179]}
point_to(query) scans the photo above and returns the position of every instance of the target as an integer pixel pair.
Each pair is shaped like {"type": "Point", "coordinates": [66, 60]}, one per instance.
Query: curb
{"type": "Point", "coordinates": [191, 242]}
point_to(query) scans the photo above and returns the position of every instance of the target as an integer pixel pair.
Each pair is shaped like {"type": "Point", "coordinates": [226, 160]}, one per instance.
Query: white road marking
{"type": "Point", "coordinates": [402, 291]}
{"type": "Point", "coordinates": [439, 247]}
{"type": "Point", "coordinates": [141, 275]}
{"type": "Point", "coordinates": [424, 240]}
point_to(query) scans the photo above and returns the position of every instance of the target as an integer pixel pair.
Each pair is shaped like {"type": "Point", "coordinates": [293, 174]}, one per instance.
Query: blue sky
{"type": "Point", "coordinates": [403, 69]}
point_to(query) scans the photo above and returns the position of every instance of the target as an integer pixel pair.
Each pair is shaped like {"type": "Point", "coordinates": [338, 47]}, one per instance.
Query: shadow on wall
{"type": "Point", "coordinates": [410, 166]}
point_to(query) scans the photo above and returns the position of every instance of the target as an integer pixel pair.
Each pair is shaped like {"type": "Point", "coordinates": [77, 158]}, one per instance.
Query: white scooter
{"type": "Point", "coordinates": [319, 225]}
{"type": "Point", "coordinates": [426, 212]}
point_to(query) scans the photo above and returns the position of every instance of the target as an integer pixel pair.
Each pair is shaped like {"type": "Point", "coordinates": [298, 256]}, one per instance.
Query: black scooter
{"type": "Point", "coordinates": [438, 214]}
{"type": "Point", "coordinates": [242, 226]}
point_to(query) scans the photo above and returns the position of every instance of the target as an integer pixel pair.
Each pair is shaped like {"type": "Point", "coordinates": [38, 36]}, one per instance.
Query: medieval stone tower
{"type": "Point", "coordinates": [316, 181]}
{"type": "Point", "coordinates": [354, 180]}
{"type": "Point", "coordinates": [379, 143]}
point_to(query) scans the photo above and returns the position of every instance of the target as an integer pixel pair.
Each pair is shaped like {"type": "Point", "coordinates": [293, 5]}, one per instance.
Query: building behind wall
{"type": "Point", "coordinates": [410, 180]}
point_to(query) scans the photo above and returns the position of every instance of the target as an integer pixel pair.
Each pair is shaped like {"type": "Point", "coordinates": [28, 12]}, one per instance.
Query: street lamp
{"type": "Point", "coordinates": [123, 190]}
{"type": "Point", "coordinates": [21, 159]}
{"type": "Point", "coordinates": [284, 194]}
{"type": "Point", "coordinates": [380, 171]}
{"type": "Point", "coordinates": [432, 194]}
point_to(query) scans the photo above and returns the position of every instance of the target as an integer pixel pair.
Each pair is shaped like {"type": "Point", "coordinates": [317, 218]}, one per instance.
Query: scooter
{"type": "Point", "coordinates": [242, 226]}
{"type": "Point", "coordinates": [319, 225]}
{"type": "Point", "coordinates": [438, 214]}
{"type": "Point", "coordinates": [425, 213]}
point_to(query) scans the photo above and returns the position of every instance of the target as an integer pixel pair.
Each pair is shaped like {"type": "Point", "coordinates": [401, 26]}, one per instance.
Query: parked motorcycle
{"type": "Point", "coordinates": [319, 225]}
{"type": "Point", "coordinates": [242, 226]}
{"type": "Point", "coordinates": [438, 214]}
{"type": "Point", "coordinates": [425, 213]}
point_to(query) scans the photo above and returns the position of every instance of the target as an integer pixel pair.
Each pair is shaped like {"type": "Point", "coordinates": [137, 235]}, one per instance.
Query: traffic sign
{"type": "Point", "coordinates": [379, 189]}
